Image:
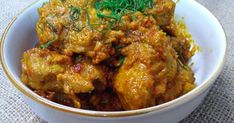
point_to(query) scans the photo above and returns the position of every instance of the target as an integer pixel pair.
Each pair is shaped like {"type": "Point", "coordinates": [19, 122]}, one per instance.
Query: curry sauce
{"type": "Point", "coordinates": [109, 55]}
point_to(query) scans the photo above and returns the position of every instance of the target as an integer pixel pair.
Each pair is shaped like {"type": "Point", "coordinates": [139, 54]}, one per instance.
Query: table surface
{"type": "Point", "coordinates": [218, 106]}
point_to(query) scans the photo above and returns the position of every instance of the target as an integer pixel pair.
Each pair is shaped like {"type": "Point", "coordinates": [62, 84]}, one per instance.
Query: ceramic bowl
{"type": "Point", "coordinates": [207, 32]}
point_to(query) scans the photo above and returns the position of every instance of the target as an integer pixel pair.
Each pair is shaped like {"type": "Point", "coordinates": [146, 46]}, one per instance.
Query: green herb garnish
{"type": "Point", "coordinates": [48, 44]}
{"type": "Point", "coordinates": [120, 7]}
{"type": "Point", "coordinates": [74, 12]}
{"type": "Point", "coordinates": [52, 27]}
{"type": "Point", "coordinates": [87, 17]}
{"type": "Point", "coordinates": [119, 47]}
{"type": "Point", "coordinates": [181, 58]}
{"type": "Point", "coordinates": [183, 65]}
{"type": "Point", "coordinates": [121, 60]}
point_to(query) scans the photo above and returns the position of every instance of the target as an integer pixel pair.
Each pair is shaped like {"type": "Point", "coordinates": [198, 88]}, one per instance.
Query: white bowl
{"type": "Point", "coordinates": [207, 32]}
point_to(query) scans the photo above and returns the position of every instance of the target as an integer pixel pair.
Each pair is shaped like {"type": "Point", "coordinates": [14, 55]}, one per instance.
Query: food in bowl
{"type": "Point", "coordinates": [109, 55]}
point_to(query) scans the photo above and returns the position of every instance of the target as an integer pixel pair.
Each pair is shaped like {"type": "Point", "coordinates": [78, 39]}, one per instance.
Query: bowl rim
{"type": "Point", "coordinates": [162, 107]}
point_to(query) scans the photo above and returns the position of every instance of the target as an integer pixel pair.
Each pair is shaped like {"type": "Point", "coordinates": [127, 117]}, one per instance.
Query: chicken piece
{"type": "Point", "coordinates": [51, 22]}
{"type": "Point", "coordinates": [40, 67]}
{"type": "Point", "coordinates": [182, 83]}
{"type": "Point", "coordinates": [80, 77]}
{"type": "Point", "coordinates": [165, 65]}
{"type": "Point", "coordinates": [82, 41]}
{"type": "Point", "coordinates": [162, 65]}
{"type": "Point", "coordinates": [89, 42]}
{"type": "Point", "coordinates": [134, 87]}
{"type": "Point", "coordinates": [134, 82]}
{"type": "Point", "coordinates": [69, 29]}
{"type": "Point", "coordinates": [163, 11]}
{"type": "Point", "coordinates": [58, 17]}
{"type": "Point", "coordinates": [181, 40]}
{"type": "Point", "coordinates": [166, 54]}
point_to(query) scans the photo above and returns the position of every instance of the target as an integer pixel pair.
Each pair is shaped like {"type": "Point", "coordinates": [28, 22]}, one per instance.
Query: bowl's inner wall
{"type": "Point", "coordinates": [208, 35]}
{"type": "Point", "coordinates": [20, 37]}
{"type": "Point", "coordinates": [205, 31]}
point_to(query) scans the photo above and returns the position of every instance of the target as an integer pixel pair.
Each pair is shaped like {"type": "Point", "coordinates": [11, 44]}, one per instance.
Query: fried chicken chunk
{"type": "Point", "coordinates": [80, 78]}
{"type": "Point", "coordinates": [40, 68]}
{"type": "Point", "coordinates": [163, 11]}
{"type": "Point", "coordinates": [67, 26]}
{"type": "Point", "coordinates": [182, 83]}
{"type": "Point", "coordinates": [134, 82]}
{"type": "Point", "coordinates": [151, 63]}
